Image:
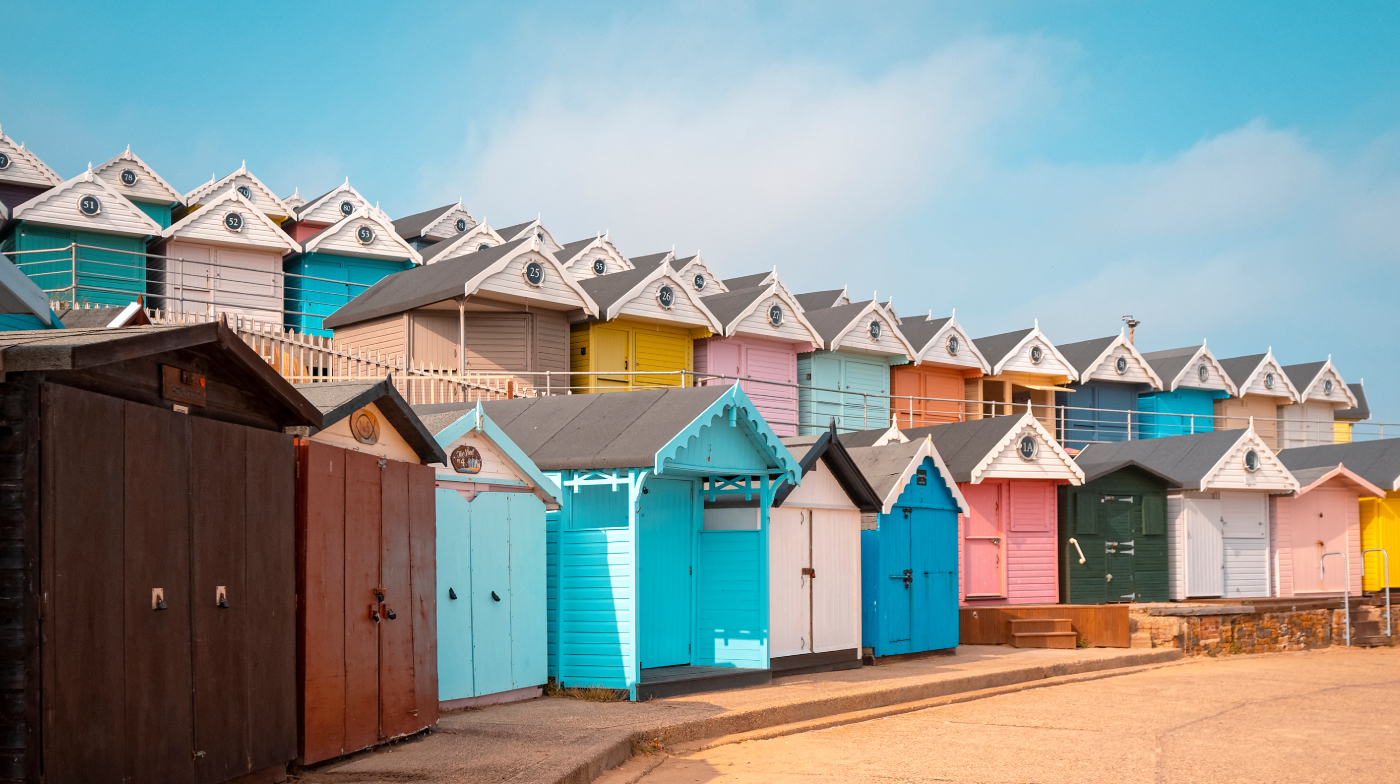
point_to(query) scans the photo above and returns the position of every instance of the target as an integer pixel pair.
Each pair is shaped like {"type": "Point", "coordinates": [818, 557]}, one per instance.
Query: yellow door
{"type": "Point", "coordinates": [660, 352]}
{"type": "Point", "coordinates": [611, 346]}
{"type": "Point", "coordinates": [1380, 527]}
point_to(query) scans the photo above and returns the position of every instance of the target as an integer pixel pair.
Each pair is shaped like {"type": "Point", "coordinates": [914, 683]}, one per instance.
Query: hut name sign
{"type": "Point", "coordinates": [182, 386]}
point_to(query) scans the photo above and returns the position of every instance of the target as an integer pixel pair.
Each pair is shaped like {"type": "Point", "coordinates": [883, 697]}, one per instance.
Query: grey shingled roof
{"type": "Point", "coordinates": [511, 232]}
{"type": "Point", "coordinates": [602, 430]}
{"type": "Point", "coordinates": [99, 318]}
{"type": "Point", "coordinates": [819, 300]}
{"type": "Point", "coordinates": [964, 444]}
{"type": "Point", "coordinates": [1168, 364]}
{"type": "Point", "coordinates": [829, 322]}
{"type": "Point", "coordinates": [414, 288]}
{"type": "Point", "coordinates": [679, 264]}
{"type": "Point", "coordinates": [411, 227]}
{"type": "Point", "coordinates": [606, 290]}
{"type": "Point", "coordinates": [1240, 368]}
{"type": "Point", "coordinates": [1097, 470]}
{"type": "Point", "coordinates": [1302, 374]}
{"type": "Point", "coordinates": [921, 331]}
{"type": "Point", "coordinates": [1082, 354]}
{"type": "Point", "coordinates": [882, 466]}
{"type": "Point", "coordinates": [649, 260]}
{"type": "Point", "coordinates": [1362, 410]}
{"type": "Point", "coordinates": [339, 399]}
{"type": "Point", "coordinates": [727, 305]}
{"type": "Point", "coordinates": [569, 250]}
{"type": "Point", "coordinates": [996, 347]}
{"type": "Point", "coordinates": [746, 281]}
{"type": "Point", "coordinates": [1185, 460]}
{"type": "Point", "coordinates": [1376, 461]}
{"type": "Point", "coordinates": [838, 460]}
{"type": "Point", "coordinates": [1307, 476]}
{"type": "Point", "coordinates": [864, 437]}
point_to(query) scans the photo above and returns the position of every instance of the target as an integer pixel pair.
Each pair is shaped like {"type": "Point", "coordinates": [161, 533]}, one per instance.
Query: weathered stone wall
{"type": "Point", "coordinates": [1261, 632]}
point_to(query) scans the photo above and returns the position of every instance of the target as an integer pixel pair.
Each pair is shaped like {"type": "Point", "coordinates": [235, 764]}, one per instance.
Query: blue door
{"type": "Point", "coordinates": [1113, 422]}
{"type": "Point", "coordinates": [665, 527]}
{"type": "Point", "coordinates": [454, 579]}
{"type": "Point", "coordinates": [937, 562]}
{"type": "Point", "coordinates": [898, 568]}
{"type": "Point", "coordinates": [491, 599]}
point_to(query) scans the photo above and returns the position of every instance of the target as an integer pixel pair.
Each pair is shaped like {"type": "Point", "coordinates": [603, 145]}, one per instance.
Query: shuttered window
{"type": "Point", "coordinates": [1085, 507]}
{"type": "Point", "coordinates": [1154, 515]}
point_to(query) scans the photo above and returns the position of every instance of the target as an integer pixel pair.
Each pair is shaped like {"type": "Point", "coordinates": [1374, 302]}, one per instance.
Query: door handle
{"type": "Point", "coordinates": [374, 613]}
{"type": "Point", "coordinates": [996, 540]}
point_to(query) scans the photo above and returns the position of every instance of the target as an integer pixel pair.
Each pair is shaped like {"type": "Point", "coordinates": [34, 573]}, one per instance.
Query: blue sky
{"type": "Point", "coordinates": [1226, 171]}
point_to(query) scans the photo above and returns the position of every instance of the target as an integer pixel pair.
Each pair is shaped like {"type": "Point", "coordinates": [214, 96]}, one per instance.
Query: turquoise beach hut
{"type": "Point", "coordinates": [848, 377]}
{"type": "Point", "coordinates": [1192, 380]}
{"type": "Point", "coordinates": [644, 597]}
{"type": "Point", "coordinates": [23, 305]}
{"type": "Point", "coordinates": [491, 505]}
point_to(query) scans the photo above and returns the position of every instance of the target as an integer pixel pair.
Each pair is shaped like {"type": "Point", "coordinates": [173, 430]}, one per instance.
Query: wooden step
{"type": "Point", "coordinates": [1365, 628]}
{"type": "Point", "coordinates": [1040, 625]}
{"type": "Point", "coordinates": [1369, 641]}
{"type": "Point", "coordinates": [1044, 640]}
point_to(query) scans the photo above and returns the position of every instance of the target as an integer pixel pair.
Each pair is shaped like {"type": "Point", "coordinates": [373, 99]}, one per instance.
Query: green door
{"type": "Point", "coordinates": [1118, 513]}
{"type": "Point", "coordinates": [665, 528]}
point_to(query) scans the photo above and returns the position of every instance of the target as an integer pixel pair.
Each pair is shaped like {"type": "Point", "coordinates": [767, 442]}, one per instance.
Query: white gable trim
{"type": "Point", "coordinates": [1250, 439]}
{"type": "Point", "coordinates": [941, 336]}
{"type": "Point", "coordinates": [294, 201]}
{"type": "Point", "coordinates": [688, 272]}
{"type": "Point", "coordinates": [304, 212]}
{"type": "Point", "coordinates": [1188, 373]}
{"type": "Point", "coordinates": [536, 227]}
{"type": "Point", "coordinates": [1047, 441]}
{"type": "Point", "coordinates": [891, 323]}
{"type": "Point", "coordinates": [472, 222]}
{"type": "Point", "coordinates": [1265, 365]}
{"type": "Point", "coordinates": [1119, 342]}
{"type": "Point", "coordinates": [152, 228]}
{"type": "Point", "coordinates": [192, 198]}
{"type": "Point", "coordinates": [377, 218]}
{"type": "Point", "coordinates": [45, 173]}
{"type": "Point", "coordinates": [207, 210]}
{"type": "Point", "coordinates": [534, 246]}
{"type": "Point", "coordinates": [472, 237]}
{"type": "Point", "coordinates": [926, 449]}
{"type": "Point", "coordinates": [1313, 391]}
{"type": "Point", "coordinates": [892, 436]}
{"type": "Point", "coordinates": [172, 196]}
{"type": "Point", "coordinates": [665, 271]}
{"type": "Point", "coordinates": [1036, 334]}
{"type": "Point", "coordinates": [774, 290]}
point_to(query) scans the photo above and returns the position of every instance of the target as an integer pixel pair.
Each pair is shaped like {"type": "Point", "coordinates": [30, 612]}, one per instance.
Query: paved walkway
{"type": "Point", "coordinates": [1320, 716]}
{"type": "Point", "coordinates": [566, 740]}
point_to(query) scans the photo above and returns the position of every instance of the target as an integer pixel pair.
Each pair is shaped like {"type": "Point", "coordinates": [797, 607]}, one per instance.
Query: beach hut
{"type": "Point", "coordinates": [22, 174]}
{"type": "Point", "coordinates": [491, 573]}
{"type": "Point", "coordinates": [366, 636]}
{"type": "Point", "coordinates": [23, 305]}
{"type": "Point", "coordinates": [340, 263]}
{"type": "Point", "coordinates": [224, 257]}
{"type": "Point", "coordinates": [763, 333]}
{"type": "Point", "coordinates": [909, 549]}
{"type": "Point", "coordinates": [503, 310]}
{"type": "Point", "coordinates": [589, 258]}
{"type": "Point", "coordinates": [294, 201]}
{"type": "Point", "coordinates": [645, 595]}
{"type": "Point", "coordinates": [133, 178]}
{"type": "Point", "coordinates": [946, 364]}
{"type": "Point", "coordinates": [331, 207]}
{"type": "Point", "coordinates": [1261, 388]}
{"type": "Point", "coordinates": [81, 241]}
{"type": "Point", "coordinates": [848, 377]}
{"type": "Point", "coordinates": [248, 186]}
{"type": "Point", "coordinates": [1026, 368]}
{"type": "Point", "coordinates": [151, 522]}
{"type": "Point", "coordinates": [1192, 380]}
{"type": "Point", "coordinates": [425, 229]}
{"type": "Point", "coordinates": [535, 229]}
{"type": "Point", "coordinates": [1323, 516]}
{"type": "Point", "coordinates": [647, 321]}
{"type": "Point", "coordinates": [814, 572]}
{"type": "Point", "coordinates": [1321, 394]}
{"type": "Point", "coordinates": [1113, 533]}
{"type": "Point", "coordinates": [698, 274]}
{"type": "Point", "coordinates": [1007, 469]}
{"type": "Point", "coordinates": [1218, 521]}
{"type": "Point", "coordinates": [476, 238]}
{"type": "Point", "coordinates": [1109, 376]}
{"type": "Point", "coordinates": [1378, 462]}
{"type": "Point", "coordinates": [1346, 419]}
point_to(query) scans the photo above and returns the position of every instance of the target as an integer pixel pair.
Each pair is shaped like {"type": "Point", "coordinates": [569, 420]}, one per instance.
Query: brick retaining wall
{"type": "Point", "coordinates": [1239, 629]}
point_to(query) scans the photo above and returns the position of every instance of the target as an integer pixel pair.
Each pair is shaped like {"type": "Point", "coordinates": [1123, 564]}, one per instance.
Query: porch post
{"type": "Point", "coordinates": [765, 500]}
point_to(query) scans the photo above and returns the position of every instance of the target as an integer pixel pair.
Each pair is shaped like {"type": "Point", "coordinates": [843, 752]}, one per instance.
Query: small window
{"type": "Point", "coordinates": [1203, 373]}
{"type": "Point", "coordinates": [1327, 387]}
{"type": "Point", "coordinates": [483, 246]}
{"type": "Point", "coordinates": [233, 221]}
{"type": "Point", "coordinates": [1037, 354]}
{"type": "Point", "coordinates": [775, 315]}
{"type": "Point", "coordinates": [4, 161]}
{"type": "Point", "coordinates": [1268, 380]}
{"type": "Point", "coordinates": [1251, 461]}
{"type": "Point", "coordinates": [346, 208]}
{"type": "Point", "coordinates": [599, 266]}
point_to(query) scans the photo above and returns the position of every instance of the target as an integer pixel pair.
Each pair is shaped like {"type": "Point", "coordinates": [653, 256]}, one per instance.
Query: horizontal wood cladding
{"type": "Point", "coordinates": [386, 335]}
{"type": "Point", "coordinates": [118, 216]}
{"type": "Point", "coordinates": [207, 225]}
{"type": "Point", "coordinates": [1107, 370]}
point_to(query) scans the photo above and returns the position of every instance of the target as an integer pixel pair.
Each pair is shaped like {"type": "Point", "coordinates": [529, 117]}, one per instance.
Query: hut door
{"type": "Point", "coordinates": [1319, 526]}
{"type": "Point", "coordinates": [835, 579]}
{"type": "Point", "coordinates": [790, 532]}
{"type": "Point", "coordinates": [897, 554]}
{"type": "Point", "coordinates": [935, 606]}
{"type": "Point", "coordinates": [826, 376]}
{"type": "Point", "coordinates": [1205, 548]}
{"type": "Point", "coordinates": [612, 347]}
{"type": "Point", "coordinates": [984, 531]}
{"type": "Point", "coordinates": [490, 594]}
{"type": "Point", "coordinates": [664, 573]}
{"type": "Point", "coordinates": [1119, 546]}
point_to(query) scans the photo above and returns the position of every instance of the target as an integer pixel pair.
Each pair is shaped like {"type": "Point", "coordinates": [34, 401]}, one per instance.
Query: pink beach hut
{"type": "Point", "coordinates": [1322, 516]}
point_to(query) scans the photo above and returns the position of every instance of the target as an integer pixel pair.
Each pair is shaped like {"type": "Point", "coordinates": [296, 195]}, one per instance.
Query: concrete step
{"type": "Point", "coordinates": [1044, 639]}
{"type": "Point", "coordinates": [1028, 625]}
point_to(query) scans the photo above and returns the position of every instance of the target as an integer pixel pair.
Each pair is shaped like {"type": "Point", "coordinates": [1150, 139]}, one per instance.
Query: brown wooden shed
{"type": "Point", "coordinates": [149, 517]}
{"type": "Point", "coordinates": [366, 571]}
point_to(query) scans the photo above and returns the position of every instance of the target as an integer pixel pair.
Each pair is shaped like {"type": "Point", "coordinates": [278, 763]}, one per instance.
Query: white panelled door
{"type": "Point", "coordinates": [836, 579]}
{"type": "Point", "coordinates": [789, 592]}
{"type": "Point", "coordinates": [1205, 548]}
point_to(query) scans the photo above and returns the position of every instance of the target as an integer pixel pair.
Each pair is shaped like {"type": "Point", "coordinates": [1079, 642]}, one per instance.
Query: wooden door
{"type": "Point", "coordinates": [499, 342]}
{"type": "Point", "coordinates": [362, 618]}
{"type": "Point", "coordinates": [656, 351]}
{"type": "Point", "coordinates": [870, 410]}
{"type": "Point", "coordinates": [664, 573]}
{"type": "Point", "coordinates": [984, 540]}
{"type": "Point", "coordinates": [1118, 515]}
{"type": "Point", "coordinates": [454, 608]}
{"type": "Point", "coordinates": [1319, 523]}
{"type": "Point", "coordinates": [835, 580]}
{"type": "Point", "coordinates": [398, 708]}
{"type": "Point", "coordinates": [613, 356]}
{"type": "Point", "coordinates": [935, 541]}
{"type": "Point", "coordinates": [322, 624]}
{"type": "Point", "coordinates": [528, 591]}
{"type": "Point", "coordinates": [774, 402]}
{"type": "Point", "coordinates": [491, 597]}
{"type": "Point", "coordinates": [897, 570]}
{"type": "Point", "coordinates": [826, 404]}
{"type": "Point", "coordinates": [1245, 540]}
{"type": "Point", "coordinates": [790, 584]}
{"type": "Point", "coordinates": [1205, 548]}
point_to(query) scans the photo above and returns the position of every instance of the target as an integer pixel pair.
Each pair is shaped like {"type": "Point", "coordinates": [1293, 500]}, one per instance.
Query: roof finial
{"type": "Point", "coordinates": [128, 149]}
{"type": "Point", "coordinates": [1203, 342]}
{"type": "Point", "coordinates": [1329, 358]}
{"type": "Point", "coordinates": [296, 191]}
{"type": "Point", "coordinates": [347, 179]}
{"type": "Point", "coordinates": [244, 167]}
{"type": "Point", "coordinates": [1251, 421]}
{"type": "Point", "coordinates": [1271, 349]}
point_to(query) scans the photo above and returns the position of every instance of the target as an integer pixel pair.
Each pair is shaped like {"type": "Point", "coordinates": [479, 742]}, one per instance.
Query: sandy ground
{"type": "Point", "coordinates": [1326, 716]}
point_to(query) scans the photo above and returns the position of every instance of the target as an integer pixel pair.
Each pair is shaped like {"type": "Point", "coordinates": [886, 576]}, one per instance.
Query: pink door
{"type": "Point", "coordinates": [1319, 526]}
{"type": "Point", "coordinates": [984, 540]}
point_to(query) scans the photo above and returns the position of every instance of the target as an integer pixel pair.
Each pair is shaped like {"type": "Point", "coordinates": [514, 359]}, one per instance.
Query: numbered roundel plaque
{"type": "Point", "coordinates": [4, 161]}
{"type": "Point", "coordinates": [244, 192]}
{"type": "Point", "coordinates": [466, 460]}
{"type": "Point", "coordinates": [128, 177]}
{"type": "Point", "coordinates": [1203, 373]}
{"type": "Point", "coordinates": [1327, 387]}
{"type": "Point", "coordinates": [874, 329]}
{"type": "Point", "coordinates": [534, 273]}
{"type": "Point", "coordinates": [1027, 448]}
{"type": "Point", "coordinates": [666, 296]}
{"type": "Point", "coordinates": [365, 427]}
{"type": "Point", "coordinates": [1251, 461]}
{"type": "Point", "coordinates": [1268, 380]}
{"type": "Point", "coordinates": [775, 315]}
{"type": "Point", "coordinates": [346, 208]}
{"type": "Point", "coordinates": [364, 235]}
{"type": "Point", "coordinates": [483, 246]}
{"type": "Point", "coordinates": [461, 224]}
{"type": "Point", "coordinates": [699, 281]}
{"type": "Point", "coordinates": [89, 205]}
{"type": "Point", "coordinates": [1120, 365]}
{"type": "Point", "coordinates": [599, 266]}
{"type": "Point", "coordinates": [233, 221]}
{"type": "Point", "coordinates": [953, 345]}
{"type": "Point", "coordinates": [1037, 354]}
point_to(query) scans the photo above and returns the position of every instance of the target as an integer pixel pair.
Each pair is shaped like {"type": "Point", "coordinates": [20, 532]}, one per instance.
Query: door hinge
{"type": "Point", "coordinates": [687, 647]}
{"type": "Point", "coordinates": [690, 570]}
